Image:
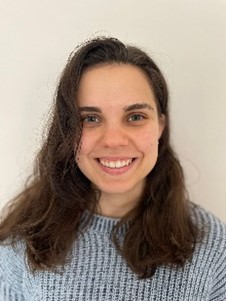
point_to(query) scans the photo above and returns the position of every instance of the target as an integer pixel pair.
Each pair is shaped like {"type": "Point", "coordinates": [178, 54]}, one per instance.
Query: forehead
{"type": "Point", "coordinates": [114, 82]}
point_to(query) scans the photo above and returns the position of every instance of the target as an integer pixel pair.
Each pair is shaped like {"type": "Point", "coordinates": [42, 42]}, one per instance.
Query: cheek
{"type": "Point", "coordinates": [86, 144]}
{"type": "Point", "coordinates": [148, 140]}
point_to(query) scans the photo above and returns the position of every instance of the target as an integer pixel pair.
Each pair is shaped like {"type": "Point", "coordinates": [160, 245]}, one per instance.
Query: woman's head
{"type": "Point", "coordinates": [121, 129]}
{"type": "Point", "coordinates": [105, 57]}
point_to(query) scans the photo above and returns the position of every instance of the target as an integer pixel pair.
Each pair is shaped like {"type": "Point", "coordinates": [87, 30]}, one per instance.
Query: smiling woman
{"type": "Point", "coordinates": [106, 215]}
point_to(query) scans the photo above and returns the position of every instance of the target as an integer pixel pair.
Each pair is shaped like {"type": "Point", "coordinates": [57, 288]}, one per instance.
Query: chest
{"type": "Point", "coordinates": [99, 273]}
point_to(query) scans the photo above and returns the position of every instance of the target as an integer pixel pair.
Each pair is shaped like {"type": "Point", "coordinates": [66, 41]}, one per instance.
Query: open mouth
{"type": "Point", "coordinates": [116, 164]}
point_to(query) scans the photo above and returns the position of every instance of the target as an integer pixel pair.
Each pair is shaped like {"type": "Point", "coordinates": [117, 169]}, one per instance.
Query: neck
{"type": "Point", "coordinates": [116, 206]}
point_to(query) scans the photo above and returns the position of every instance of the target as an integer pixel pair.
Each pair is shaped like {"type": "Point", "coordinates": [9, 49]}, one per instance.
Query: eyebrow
{"type": "Point", "coordinates": [89, 109]}
{"type": "Point", "coordinates": [135, 106]}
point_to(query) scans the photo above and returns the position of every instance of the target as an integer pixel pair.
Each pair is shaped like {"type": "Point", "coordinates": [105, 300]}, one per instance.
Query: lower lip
{"type": "Point", "coordinates": [116, 171]}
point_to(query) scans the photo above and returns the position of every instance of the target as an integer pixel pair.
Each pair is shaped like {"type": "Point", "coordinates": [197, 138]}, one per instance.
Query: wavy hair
{"type": "Point", "coordinates": [47, 214]}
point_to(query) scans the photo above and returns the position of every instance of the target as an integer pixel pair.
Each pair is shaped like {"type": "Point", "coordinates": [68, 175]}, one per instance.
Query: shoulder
{"type": "Point", "coordinates": [12, 264]}
{"type": "Point", "coordinates": [212, 227]}
{"type": "Point", "coordinates": [11, 251]}
{"type": "Point", "coordinates": [208, 220]}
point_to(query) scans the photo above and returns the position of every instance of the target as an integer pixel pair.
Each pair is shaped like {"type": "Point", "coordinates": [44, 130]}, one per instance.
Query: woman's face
{"type": "Point", "coordinates": [121, 129]}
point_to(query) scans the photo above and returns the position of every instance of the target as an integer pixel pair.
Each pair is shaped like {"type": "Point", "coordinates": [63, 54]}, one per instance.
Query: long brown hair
{"type": "Point", "coordinates": [47, 214]}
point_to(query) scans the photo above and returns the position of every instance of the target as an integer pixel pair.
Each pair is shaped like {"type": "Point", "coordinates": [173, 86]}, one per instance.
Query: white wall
{"type": "Point", "coordinates": [187, 39]}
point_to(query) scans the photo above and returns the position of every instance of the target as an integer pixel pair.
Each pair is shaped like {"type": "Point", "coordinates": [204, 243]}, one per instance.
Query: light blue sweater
{"type": "Point", "coordinates": [97, 272]}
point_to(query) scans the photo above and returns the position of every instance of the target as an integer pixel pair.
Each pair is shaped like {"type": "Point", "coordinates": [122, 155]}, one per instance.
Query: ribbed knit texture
{"type": "Point", "coordinates": [97, 272]}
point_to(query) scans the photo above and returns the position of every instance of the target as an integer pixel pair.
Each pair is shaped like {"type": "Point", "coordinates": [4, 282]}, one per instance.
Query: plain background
{"type": "Point", "coordinates": [186, 38]}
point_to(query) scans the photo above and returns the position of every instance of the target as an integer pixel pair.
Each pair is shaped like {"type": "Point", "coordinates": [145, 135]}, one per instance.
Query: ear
{"type": "Point", "coordinates": [162, 122]}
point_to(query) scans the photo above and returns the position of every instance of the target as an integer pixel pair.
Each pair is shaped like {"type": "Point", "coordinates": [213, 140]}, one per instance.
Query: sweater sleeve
{"type": "Point", "coordinates": [11, 274]}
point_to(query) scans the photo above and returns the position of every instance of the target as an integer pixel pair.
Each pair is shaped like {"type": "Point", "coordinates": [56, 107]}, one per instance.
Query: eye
{"type": "Point", "coordinates": [90, 119]}
{"type": "Point", "coordinates": [136, 117]}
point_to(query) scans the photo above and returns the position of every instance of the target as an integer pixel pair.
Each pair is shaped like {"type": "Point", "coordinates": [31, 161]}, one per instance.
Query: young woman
{"type": "Point", "coordinates": [105, 215]}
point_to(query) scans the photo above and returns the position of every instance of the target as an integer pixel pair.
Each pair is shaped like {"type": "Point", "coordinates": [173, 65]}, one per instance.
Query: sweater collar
{"type": "Point", "coordinates": [101, 224]}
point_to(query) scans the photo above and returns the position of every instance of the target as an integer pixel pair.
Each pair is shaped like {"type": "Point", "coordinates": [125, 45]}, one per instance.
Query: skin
{"type": "Point", "coordinates": [113, 130]}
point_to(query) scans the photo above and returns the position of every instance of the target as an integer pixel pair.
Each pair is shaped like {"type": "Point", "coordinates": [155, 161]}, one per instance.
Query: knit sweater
{"type": "Point", "coordinates": [96, 272]}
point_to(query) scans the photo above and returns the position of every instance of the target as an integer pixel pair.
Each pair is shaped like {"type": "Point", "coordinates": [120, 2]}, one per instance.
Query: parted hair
{"type": "Point", "coordinates": [46, 215]}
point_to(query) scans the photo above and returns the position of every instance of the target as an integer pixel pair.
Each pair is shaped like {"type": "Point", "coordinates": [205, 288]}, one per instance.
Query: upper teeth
{"type": "Point", "coordinates": [115, 164]}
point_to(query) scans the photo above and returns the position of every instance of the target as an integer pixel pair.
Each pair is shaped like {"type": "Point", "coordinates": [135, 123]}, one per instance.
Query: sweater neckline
{"type": "Point", "coordinates": [100, 223]}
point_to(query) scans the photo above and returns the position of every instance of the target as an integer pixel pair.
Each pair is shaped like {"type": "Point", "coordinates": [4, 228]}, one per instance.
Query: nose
{"type": "Point", "coordinates": [114, 137]}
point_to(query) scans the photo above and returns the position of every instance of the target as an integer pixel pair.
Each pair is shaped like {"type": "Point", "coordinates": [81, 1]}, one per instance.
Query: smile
{"type": "Point", "coordinates": [115, 164]}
